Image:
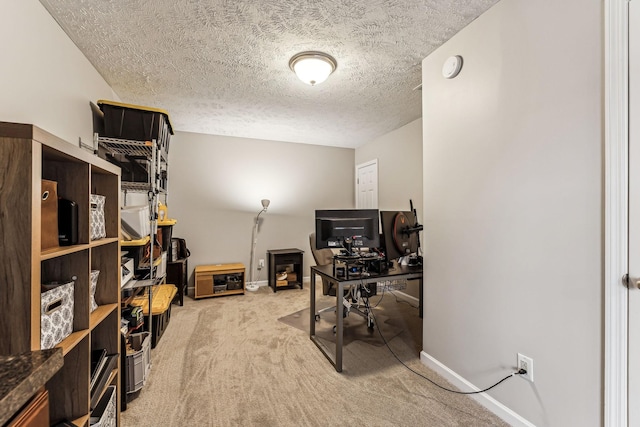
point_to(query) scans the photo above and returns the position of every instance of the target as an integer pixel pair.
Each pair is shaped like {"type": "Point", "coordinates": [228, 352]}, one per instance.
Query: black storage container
{"type": "Point", "coordinates": [132, 169]}
{"type": "Point", "coordinates": [164, 237]}
{"type": "Point", "coordinates": [135, 122]}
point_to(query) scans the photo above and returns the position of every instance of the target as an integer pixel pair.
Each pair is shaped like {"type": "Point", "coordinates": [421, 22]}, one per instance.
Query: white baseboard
{"type": "Point", "coordinates": [259, 283]}
{"type": "Point", "coordinates": [482, 398]}
{"type": "Point", "coordinates": [407, 297]}
{"type": "Point", "coordinates": [191, 290]}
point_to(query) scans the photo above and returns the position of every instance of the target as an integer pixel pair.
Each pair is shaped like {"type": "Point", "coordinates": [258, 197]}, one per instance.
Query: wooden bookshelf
{"type": "Point", "coordinates": [27, 156]}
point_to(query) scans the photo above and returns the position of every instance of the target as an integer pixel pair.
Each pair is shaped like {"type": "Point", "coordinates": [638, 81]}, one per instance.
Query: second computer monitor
{"type": "Point", "coordinates": [399, 234]}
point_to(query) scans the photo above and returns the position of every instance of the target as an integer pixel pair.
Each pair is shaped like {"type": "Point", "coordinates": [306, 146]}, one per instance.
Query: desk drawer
{"type": "Point", "coordinates": [287, 259]}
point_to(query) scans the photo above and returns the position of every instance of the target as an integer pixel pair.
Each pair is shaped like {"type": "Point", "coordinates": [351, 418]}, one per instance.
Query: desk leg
{"type": "Point", "coordinates": [312, 305]}
{"type": "Point", "coordinates": [337, 360]}
{"type": "Point", "coordinates": [339, 325]}
{"type": "Point", "coordinates": [421, 298]}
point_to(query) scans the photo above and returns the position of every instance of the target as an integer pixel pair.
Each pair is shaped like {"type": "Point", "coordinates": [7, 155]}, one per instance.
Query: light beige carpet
{"type": "Point", "coordinates": [229, 361]}
{"type": "Point", "coordinates": [354, 327]}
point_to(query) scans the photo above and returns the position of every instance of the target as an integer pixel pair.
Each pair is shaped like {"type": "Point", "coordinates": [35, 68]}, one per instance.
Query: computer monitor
{"type": "Point", "coordinates": [399, 233]}
{"type": "Point", "coordinates": [347, 229]}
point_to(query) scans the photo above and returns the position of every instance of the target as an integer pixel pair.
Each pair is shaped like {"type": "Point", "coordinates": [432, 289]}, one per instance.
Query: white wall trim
{"type": "Point", "coordinates": [616, 219]}
{"type": "Point", "coordinates": [482, 398]}
{"type": "Point", "coordinates": [407, 297]}
{"type": "Point", "coordinates": [191, 289]}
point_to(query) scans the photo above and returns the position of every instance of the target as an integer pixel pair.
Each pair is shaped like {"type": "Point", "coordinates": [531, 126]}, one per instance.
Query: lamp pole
{"type": "Point", "coordinates": [252, 286]}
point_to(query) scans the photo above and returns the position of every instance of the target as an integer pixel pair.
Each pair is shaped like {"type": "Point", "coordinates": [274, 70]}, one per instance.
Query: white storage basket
{"type": "Point", "coordinates": [104, 414]}
{"type": "Point", "coordinates": [94, 285]}
{"type": "Point", "coordinates": [56, 314]}
{"type": "Point", "coordinates": [96, 204]}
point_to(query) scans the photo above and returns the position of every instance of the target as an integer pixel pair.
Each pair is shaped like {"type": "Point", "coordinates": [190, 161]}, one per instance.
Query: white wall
{"type": "Point", "coordinates": [513, 212]}
{"type": "Point", "coordinates": [399, 155]}
{"type": "Point", "coordinates": [44, 79]}
{"type": "Point", "coordinates": [216, 184]}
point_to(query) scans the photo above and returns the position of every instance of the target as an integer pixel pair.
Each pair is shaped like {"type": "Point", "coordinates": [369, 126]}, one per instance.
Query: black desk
{"type": "Point", "coordinates": [326, 271]}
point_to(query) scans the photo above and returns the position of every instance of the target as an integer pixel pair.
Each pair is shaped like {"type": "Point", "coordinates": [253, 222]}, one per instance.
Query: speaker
{"type": "Point", "coordinates": [378, 266]}
{"type": "Point", "coordinates": [67, 222]}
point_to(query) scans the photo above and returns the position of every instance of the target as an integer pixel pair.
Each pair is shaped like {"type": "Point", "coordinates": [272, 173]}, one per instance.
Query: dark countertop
{"type": "Point", "coordinates": [22, 375]}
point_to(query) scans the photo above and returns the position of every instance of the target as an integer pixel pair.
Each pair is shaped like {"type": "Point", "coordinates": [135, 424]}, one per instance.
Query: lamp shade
{"type": "Point", "coordinates": [265, 203]}
{"type": "Point", "coordinates": [313, 67]}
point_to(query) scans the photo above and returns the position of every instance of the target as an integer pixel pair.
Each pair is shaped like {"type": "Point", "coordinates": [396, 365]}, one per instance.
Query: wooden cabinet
{"type": "Point", "coordinates": [35, 414]}
{"type": "Point", "coordinates": [219, 280]}
{"type": "Point", "coordinates": [283, 261]}
{"type": "Point", "coordinates": [27, 156]}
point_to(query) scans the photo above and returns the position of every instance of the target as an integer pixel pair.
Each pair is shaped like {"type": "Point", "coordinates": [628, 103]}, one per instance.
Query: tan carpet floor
{"type": "Point", "coordinates": [230, 361]}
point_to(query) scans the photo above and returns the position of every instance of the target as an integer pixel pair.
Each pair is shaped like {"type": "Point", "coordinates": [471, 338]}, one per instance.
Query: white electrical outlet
{"type": "Point", "coordinates": [260, 264]}
{"type": "Point", "coordinates": [526, 363]}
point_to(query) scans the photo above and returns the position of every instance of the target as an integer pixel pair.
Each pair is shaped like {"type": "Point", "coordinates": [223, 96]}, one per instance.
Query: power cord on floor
{"type": "Point", "coordinates": [259, 275]}
{"type": "Point", "coordinates": [402, 301]}
{"type": "Point", "coordinates": [381, 296]}
{"type": "Point", "coordinates": [519, 372]}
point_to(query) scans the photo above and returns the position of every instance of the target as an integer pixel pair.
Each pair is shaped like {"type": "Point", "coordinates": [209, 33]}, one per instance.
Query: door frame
{"type": "Point", "coordinates": [616, 124]}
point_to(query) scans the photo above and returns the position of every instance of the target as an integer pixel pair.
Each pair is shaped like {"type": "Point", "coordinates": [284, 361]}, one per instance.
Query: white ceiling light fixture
{"type": "Point", "coordinates": [313, 67]}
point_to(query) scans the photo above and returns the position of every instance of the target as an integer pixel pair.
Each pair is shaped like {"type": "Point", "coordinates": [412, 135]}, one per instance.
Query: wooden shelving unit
{"type": "Point", "coordinates": [152, 157]}
{"type": "Point", "coordinates": [207, 277]}
{"type": "Point", "coordinates": [28, 155]}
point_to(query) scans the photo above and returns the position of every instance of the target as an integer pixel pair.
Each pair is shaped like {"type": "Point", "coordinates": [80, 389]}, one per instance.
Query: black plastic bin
{"type": "Point", "coordinates": [160, 323]}
{"type": "Point", "coordinates": [134, 122]}
{"type": "Point", "coordinates": [166, 231]}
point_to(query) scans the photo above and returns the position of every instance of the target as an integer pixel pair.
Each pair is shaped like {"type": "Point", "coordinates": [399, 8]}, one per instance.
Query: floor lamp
{"type": "Point", "coordinates": [253, 286]}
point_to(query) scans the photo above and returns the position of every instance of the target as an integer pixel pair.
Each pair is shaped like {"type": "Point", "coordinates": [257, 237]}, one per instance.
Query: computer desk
{"type": "Point", "coordinates": [399, 272]}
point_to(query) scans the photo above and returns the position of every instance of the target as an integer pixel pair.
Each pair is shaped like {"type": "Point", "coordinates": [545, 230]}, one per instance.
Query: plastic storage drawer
{"type": "Point", "coordinates": [138, 361]}
{"type": "Point", "coordinates": [135, 220]}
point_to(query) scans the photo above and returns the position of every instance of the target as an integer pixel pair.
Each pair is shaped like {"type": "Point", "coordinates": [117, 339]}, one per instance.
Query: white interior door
{"type": "Point", "coordinates": [633, 327]}
{"type": "Point", "coordinates": [367, 185]}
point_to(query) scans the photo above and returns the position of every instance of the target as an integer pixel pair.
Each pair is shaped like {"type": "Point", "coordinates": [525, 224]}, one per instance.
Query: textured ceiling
{"type": "Point", "coordinates": [221, 66]}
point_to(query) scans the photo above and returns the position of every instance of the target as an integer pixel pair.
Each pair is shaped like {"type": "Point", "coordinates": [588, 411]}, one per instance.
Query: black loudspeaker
{"type": "Point", "coordinates": [378, 266]}
{"type": "Point", "coordinates": [67, 222]}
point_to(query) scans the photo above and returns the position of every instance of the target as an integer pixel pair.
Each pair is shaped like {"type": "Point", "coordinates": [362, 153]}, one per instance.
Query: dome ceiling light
{"type": "Point", "coordinates": [313, 67]}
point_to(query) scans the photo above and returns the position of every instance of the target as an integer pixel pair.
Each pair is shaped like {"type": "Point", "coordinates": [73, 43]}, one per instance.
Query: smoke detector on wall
{"type": "Point", "coordinates": [452, 66]}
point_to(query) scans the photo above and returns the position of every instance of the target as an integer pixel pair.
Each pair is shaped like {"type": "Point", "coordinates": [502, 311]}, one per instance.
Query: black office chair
{"type": "Point", "coordinates": [325, 257]}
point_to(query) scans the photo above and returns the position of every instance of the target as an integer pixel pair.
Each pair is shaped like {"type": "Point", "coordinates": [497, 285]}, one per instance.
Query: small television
{"type": "Point", "coordinates": [347, 229]}
{"type": "Point", "coordinates": [399, 234]}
